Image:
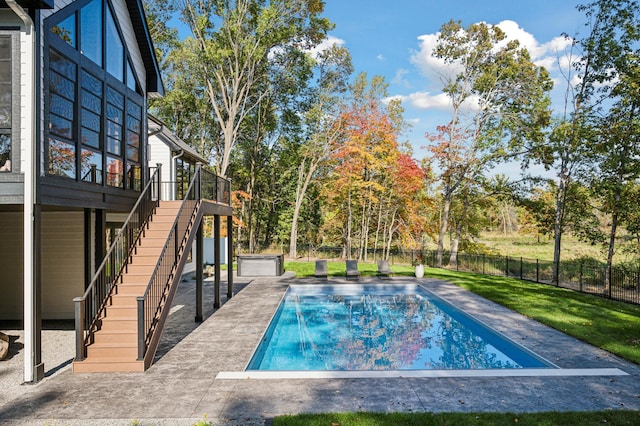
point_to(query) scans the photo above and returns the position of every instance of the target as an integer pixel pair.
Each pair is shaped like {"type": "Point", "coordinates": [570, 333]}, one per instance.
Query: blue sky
{"type": "Point", "coordinates": [393, 38]}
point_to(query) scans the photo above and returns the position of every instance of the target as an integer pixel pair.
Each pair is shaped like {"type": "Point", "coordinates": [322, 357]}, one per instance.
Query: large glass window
{"type": "Point", "coordinates": [91, 166]}
{"type": "Point", "coordinates": [62, 81]}
{"type": "Point", "coordinates": [66, 30]}
{"type": "Point", "coordinates": [62, 158]}
{"type": "Point", "coordinates": [91, 31]}
{"type": "Point", "coordinates": [95, 107]}
{"type": "Point", "coordinates": [5, 103]}
{"type": "Point", "coordinates": [115, 49]}
{"type": "Point", "coordinates": [115, 106]}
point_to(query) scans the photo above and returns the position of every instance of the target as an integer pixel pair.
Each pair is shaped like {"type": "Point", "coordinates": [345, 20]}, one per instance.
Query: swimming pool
{"type": "Point", "coordinates": [381, 327]}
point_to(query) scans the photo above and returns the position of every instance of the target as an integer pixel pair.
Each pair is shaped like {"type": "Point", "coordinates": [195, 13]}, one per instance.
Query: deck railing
{"type": "Point", "coordinates": [90, 306]}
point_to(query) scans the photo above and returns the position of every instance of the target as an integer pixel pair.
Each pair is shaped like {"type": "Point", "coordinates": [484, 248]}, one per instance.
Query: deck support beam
{"type": "Point", "coordinates": [199, 272]}
{"type": "Point", "coordinates": [216, 260]}
{"type": "Point", "coordinates": [229, 257]}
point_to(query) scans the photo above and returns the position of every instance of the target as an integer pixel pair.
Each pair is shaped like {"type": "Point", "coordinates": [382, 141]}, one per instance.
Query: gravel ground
{"type": "Point", "coordinates": [57, 354]}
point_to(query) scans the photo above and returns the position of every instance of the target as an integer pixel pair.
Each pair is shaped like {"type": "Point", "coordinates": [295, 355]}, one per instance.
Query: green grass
{"type": "Point", "coordinates": [529, 247]}
{"type": "Point", "coordinates": [462, 419]}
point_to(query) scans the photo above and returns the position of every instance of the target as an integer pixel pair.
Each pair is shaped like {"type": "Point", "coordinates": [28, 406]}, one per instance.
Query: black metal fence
{"type": "Point", "coordinates": [578, 275]}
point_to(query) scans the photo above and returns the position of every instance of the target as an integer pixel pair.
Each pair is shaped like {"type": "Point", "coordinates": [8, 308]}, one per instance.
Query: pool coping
{"type": "Point", "coordinates": [515, 372]}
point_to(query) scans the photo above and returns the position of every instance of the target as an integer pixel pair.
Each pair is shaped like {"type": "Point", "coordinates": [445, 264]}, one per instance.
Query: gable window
{"type": "Point", "coordinates": [95, 108]}
{"type": "Point", "coordinates": [5, 103]}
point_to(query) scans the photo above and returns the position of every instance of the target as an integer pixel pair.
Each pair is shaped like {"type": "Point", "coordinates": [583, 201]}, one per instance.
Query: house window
{"type": "Point", "coordinates": [5, 103]}
{"type": "Point", "coordinates": [91, 31]}
{"type": "Point", "coordinates": [95, 104]}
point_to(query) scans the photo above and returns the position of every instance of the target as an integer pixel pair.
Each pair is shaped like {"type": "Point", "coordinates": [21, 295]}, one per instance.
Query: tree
{"type": "Point", "coordinates": [499, 102]}
{"type": "Point", "coordinates": [232, 60]}
{"type": "Point", "coordinates": [324, 124]}
{"type": "Point", "coordinates": [610, 88]}
{"type": "Point", "coordinates": [365, 198]}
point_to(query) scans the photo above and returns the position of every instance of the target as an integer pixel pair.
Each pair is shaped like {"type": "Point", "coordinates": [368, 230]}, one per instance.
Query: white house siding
{"type": "Point", "coordinates": [11, 265]}
{"type": "Point", "coordinates": [159, 152]}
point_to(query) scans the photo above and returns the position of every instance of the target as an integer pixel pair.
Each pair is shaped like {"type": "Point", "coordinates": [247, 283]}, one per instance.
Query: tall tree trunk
{"type": "Point", "coordinates": [377, 234]}
{"type": "Point", "coordinates": [391, 231]}
{"type": "Point", "coordinates": [611, 250]}
{"type": "Point", "coordinates": [558, 228]}
{"type": "Point", "coordinates": [304, 178]}
{"type": "Point", "coordinates": [349, 217]}
{"type": "Point", "coordinates": [444, 222]}
{"type": "Point", "coordinates": [453, 260]}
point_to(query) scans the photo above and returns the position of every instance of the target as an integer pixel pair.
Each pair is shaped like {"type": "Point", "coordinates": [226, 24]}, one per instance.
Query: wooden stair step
{"type": "Point", "coordinates": [112, 365]}
{"type": "Point", "coordinates": [114, 324]}
{"type": "Point", "coordinates": [108, 350]}
{"type": "Point", "coordinates": [116, 336]}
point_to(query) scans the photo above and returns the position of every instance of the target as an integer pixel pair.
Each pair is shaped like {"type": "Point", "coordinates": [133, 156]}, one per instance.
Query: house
{"type": "Point", "coordinates": [79, 203]}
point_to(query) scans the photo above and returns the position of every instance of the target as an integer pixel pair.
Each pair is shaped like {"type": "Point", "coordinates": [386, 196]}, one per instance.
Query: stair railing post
{"type": "Point", "coordinates": [198, 194]}
{"type": "Point", "coordinates": [159, 183]}
{"type": "Point", "coordinates": [79, 315]}
{"type": "Point", "coordinates": [141, 329]}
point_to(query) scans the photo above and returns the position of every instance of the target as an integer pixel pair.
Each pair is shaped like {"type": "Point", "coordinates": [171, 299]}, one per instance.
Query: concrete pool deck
{"type": "Point", "coordinates": [187, 382]}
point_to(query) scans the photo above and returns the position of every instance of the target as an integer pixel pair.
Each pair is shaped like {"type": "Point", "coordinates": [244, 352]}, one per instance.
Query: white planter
{"type": "Point", "coordinates": [419, 271]}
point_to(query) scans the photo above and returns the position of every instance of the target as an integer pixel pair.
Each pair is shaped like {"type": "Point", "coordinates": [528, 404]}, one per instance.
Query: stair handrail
{"type": "Point", "coordinates": [150, 304]}
{"type": "Point", "coordinates": [89, 307]}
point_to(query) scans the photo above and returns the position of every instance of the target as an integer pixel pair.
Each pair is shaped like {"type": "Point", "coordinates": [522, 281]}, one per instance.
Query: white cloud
{"type": "Point", "coordinates": [432, 68]}
{"type": "Point", "coordinates": [326, 44]}
{"type": "Point", "coordinates": [425, 100]}
{"type": "Point", "coordinates": [400, 79]}
{"type": "Point", "coordinates": [381, 57]}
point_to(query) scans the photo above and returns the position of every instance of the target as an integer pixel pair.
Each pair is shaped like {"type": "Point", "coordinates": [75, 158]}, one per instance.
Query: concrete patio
{"type": "Point", "coordinates": [183, 385]}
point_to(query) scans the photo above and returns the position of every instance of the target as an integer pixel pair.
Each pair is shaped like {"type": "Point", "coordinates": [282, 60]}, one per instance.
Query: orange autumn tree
{"type": "Point", "coordinates": [366, 205]}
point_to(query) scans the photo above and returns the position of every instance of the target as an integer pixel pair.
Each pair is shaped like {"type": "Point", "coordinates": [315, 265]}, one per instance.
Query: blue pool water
{"type": "Point", "coordinates": [380, 327]}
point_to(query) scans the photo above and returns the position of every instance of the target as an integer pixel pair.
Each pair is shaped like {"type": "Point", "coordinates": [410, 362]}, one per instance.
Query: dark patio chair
{"type": "Point", "coordinates": [321, 269]}
{"type": "Point", "coordinates": [352, 270]}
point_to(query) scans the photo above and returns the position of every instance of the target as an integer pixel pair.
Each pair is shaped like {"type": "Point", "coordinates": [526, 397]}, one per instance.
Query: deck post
{"type": "Point", "coordinates": [79, 316]}
{"type": "Point", "coordinates": [141, 329]}
{"type": "Point", "coordinates": [199, 274]}
{"type": "Point", "coordinates": [229, 257]}
{"type": "Point", "coordinates": [216, 260]}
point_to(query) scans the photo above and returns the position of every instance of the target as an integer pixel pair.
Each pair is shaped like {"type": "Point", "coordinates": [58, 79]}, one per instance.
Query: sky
{"type": "Point", "coordinates": [393, 38]}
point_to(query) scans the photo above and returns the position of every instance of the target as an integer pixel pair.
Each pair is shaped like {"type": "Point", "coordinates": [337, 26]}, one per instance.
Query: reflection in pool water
{"type": "Point", "coordinates": [388, 327]}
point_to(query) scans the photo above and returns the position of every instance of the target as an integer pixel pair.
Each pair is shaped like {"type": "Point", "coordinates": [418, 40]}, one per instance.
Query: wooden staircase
{"type": "Point", "coordinates": [115, 343]}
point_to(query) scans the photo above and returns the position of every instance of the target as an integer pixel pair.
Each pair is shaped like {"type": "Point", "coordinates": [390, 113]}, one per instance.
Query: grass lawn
{"type": "Point", "coordinates": [462, 419]}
